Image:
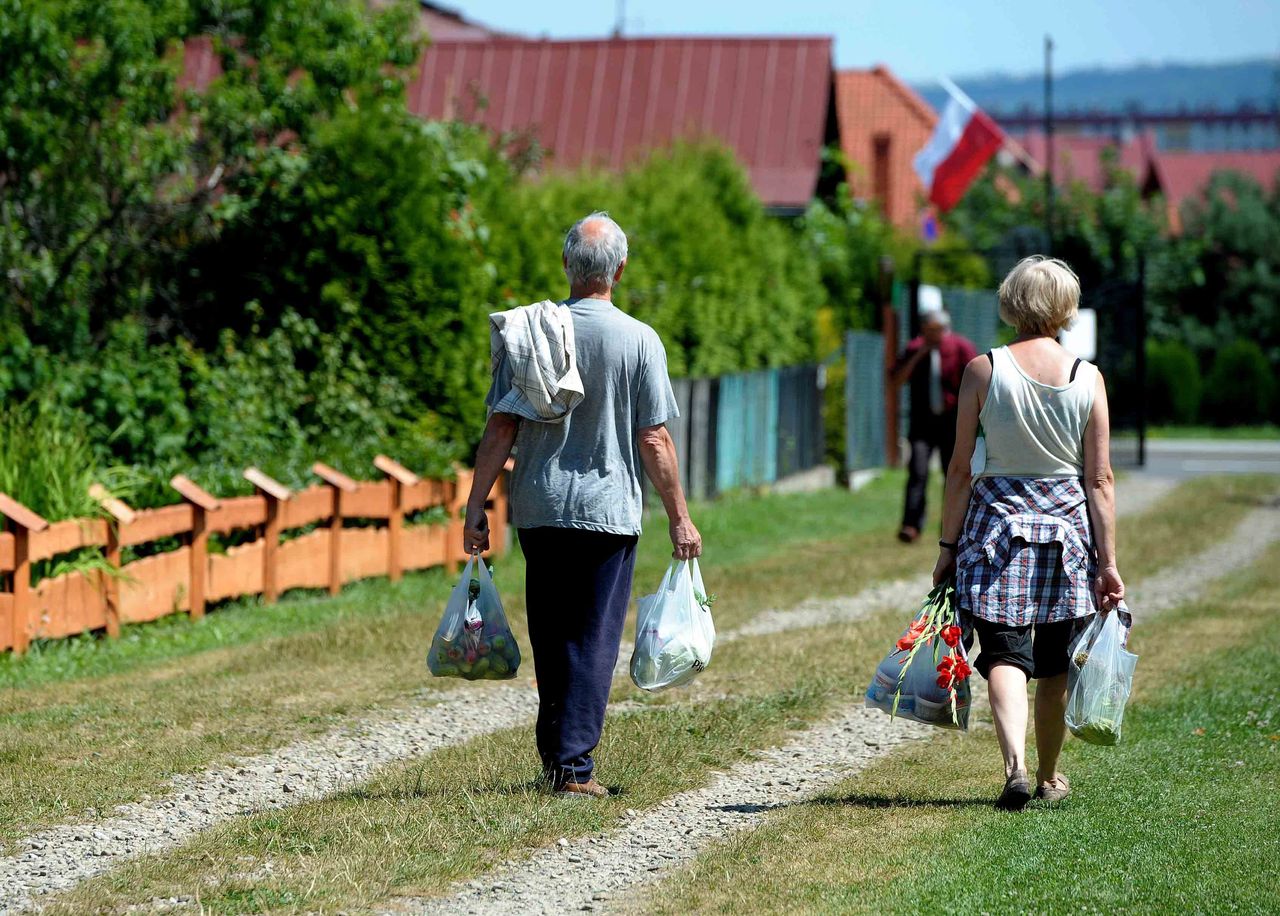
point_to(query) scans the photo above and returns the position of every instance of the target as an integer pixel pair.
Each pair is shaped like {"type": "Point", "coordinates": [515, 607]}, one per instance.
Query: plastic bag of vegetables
{"type": "Point", "coordinates": [674, 630]}
{"type": "Point", "coordinates": [1100, 677]}
{"type": "Point", "coordinates": [474, 640]}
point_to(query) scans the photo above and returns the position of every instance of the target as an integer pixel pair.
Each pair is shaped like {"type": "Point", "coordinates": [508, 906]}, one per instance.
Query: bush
{"type": "Point", "coordinates": [1174, 385]}
{"type": "Point", "coordinates": [1241, 386]}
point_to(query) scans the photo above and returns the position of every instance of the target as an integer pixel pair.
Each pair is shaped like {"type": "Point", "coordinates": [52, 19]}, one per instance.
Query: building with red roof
{"type": "Point", "coordinates": [1183, 176]}
{"type": "Point", "coordinates": [883, 123]}
{"type": "Point", "coordinates": [605, 103]}
{"type": "Point", "coordinates": [1079, 158]}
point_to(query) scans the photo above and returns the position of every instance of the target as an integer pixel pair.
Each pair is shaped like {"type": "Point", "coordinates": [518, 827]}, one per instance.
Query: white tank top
{"type": "Point", "coordinates": [1032, 429]}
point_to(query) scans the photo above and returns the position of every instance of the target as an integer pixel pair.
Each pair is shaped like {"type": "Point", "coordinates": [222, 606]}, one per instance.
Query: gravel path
{"type": "Point", "coordinates": [599, 872]}
{"type": "Point", "coordinates": [62, 856]}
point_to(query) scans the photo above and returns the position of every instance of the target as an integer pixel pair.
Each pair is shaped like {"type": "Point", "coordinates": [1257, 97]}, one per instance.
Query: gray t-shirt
{"type": "Point", "coordinates": [585, 472]}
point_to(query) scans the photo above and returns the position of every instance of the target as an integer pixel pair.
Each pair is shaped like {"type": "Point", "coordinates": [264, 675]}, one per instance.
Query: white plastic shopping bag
{"type": "Point", "coordinates": [474, 640]}
{"type": "Point", "coordinates": [1100, 677]}
{"type": "Point", "coordinates": [674, 630]}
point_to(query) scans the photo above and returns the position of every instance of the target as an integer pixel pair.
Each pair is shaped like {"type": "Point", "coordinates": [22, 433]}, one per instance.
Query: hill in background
{"type": "Point", "coordinates": [1152, 86]}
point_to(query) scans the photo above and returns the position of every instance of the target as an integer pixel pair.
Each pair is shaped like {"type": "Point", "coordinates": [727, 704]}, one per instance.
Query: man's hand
{"type": "Point", "coordinates": [475, 533]}
{"type": "Point", "coordinates": [685, 539]}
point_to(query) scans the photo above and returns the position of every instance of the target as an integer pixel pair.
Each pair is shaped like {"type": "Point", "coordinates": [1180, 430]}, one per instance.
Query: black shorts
{"type": "Point", "coordinates": [1041, 650]}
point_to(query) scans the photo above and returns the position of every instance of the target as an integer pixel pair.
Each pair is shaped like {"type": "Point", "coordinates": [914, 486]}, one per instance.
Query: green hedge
{"type": "Point", "coordinates": [1174, 385]}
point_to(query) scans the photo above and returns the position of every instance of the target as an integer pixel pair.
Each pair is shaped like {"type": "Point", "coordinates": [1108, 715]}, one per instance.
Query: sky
{"type": "Point", "coordinates": [923, 39]}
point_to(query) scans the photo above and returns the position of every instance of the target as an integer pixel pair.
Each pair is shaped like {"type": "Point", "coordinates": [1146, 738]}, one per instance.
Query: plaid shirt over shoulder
{"type": "Point", "coordinates": [1026, 555]}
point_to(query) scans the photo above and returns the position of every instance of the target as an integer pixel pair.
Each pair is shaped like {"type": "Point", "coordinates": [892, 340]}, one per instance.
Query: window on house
{"type": "Point", "coordinates": [881, 186]}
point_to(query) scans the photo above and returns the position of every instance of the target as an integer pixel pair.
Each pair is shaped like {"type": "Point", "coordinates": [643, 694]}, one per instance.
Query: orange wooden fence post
{"type": "Point", "coordinates": [401, 477]}
{"type": "Point", "coordinates": [22, 522]}
{"type": "Point", "coordinates": [274, 493]}
{"type": "Point", "coordinates": [340, 483]}
{"type": "Point", "coordinates": [202, 503]}
{"type": "Point", "coordinates": [459, 491]}
{"type": "Point", "coordinates": [498, 514]}
{"type": "Point", "coordinates": [120, 514]}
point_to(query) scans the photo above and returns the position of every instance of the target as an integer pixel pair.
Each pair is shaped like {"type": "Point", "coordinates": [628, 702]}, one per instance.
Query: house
{"type": "Point", "coordinates": [1175, 176]}
{"type": "Point", "coordinates": [1181, 176]}
{"type": "Point", "coordinates": [1079, 158]}
{"type": "Point", "coordinates": [883, 123]}
{"type": "Point", "coordinates": [605, 103]}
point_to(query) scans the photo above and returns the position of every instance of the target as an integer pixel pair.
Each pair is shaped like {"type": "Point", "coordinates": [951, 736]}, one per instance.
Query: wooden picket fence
{"type": "Point", "coordinates": [187, 579]}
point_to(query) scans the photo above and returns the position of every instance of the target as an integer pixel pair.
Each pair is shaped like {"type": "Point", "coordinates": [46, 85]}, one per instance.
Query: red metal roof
{"type": "Point", "coordinates": [604, 103]}
{"type": "Point", "coordinates": [874, 105]}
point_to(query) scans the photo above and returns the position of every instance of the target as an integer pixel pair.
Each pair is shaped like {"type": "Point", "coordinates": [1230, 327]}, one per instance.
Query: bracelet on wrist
{"type": "Point", "coordinates": [947, 545]}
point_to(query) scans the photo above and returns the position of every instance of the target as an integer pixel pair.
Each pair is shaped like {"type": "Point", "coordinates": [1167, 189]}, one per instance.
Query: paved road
{"type": "Point", "coordinates": [1192, 457]}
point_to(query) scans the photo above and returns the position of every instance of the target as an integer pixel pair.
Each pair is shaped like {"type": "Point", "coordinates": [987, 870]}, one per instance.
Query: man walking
{"type": "Point", "coordinates": [575, 494]}
{"type": "Point", "coordinates": [934, 364]}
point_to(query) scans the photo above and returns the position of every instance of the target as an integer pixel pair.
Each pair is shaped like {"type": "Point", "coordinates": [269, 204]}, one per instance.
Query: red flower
{"type": "Point", "coordinates": [951, 635]}
{"type": "Point", "coordinates": [944, 680]}
{"type": "Point", "coordinates": [946, 663]}
{"type": "Point", "coordinates": [961, 669]}
{"type": "Point", "coordinates": [906, 642]}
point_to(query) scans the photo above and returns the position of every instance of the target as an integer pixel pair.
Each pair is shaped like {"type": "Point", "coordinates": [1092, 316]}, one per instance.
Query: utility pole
{"type": "Point", "coordinates": [621, 21]}
{"type": "Point", "coordinates": [1048, 143]}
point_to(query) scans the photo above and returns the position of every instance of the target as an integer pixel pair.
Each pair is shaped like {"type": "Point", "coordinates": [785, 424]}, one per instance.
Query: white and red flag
{"type": "Point", "coordinates": [962, 143]}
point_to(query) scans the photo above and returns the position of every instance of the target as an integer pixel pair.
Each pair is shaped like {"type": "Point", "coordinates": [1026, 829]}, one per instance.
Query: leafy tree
{"type": "Point", "coordinates": [1220, 279]}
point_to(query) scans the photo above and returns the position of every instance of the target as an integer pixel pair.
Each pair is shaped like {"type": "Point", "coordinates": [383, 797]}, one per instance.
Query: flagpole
{"type": "Point", "coordinates": [1048, 142]}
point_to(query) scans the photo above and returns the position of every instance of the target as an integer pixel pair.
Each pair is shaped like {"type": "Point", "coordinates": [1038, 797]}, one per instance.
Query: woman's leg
{"type": "Point", "coordinates": [1051, 724]}
{"type": "Point", "coordinates": [1007, 689]}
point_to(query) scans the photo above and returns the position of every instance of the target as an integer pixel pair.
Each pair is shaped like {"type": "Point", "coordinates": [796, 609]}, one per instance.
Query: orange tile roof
{"type": "Point", "coordinates": [874, 104]}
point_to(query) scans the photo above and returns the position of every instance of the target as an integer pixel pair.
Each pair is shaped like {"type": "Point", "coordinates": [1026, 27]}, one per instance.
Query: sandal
{"type": "Point", "coordinates": [1055, 789]}
{"type": "Point", "coordinates": [1017, 792]}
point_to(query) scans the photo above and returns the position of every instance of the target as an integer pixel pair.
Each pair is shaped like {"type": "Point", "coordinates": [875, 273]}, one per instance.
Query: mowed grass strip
{"type": "Point", "coordinates": [425, 823]}
{"type": "Point", "coordinates": [1181, 816]}
{"type": "Point", "coordinates": [74, 745]}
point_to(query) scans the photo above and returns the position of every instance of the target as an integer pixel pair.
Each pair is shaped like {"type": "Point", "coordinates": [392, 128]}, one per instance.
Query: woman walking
{"type": "Point", "coordinates": [1028, 524]}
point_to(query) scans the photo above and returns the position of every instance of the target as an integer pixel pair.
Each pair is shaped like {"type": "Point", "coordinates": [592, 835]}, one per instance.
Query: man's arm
{"type": "Point", "coordinates": [899, 374]}
{"type": "Point", "coordinates": [495, 448]}
{"type": "Point", "coordinates": [658, 453]}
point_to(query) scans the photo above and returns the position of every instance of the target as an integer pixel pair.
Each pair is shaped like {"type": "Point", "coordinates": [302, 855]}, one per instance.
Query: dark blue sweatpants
{"type": "Point", "coordinates": [577, 586]}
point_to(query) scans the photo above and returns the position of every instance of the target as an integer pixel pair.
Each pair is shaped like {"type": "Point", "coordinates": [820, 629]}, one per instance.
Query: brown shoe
{"type": "Point", "coordinates": [1054, 790]}
{"type": "Point", "coordinates": [909, 535]}
{"type": "Point", "coordinates": [588, 789]}
{"type": "Point", "coordinates": [1017, 792]}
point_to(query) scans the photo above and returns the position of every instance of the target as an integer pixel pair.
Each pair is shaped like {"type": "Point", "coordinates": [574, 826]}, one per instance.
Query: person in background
{"type": "Point", "coordinates": [933, 363]}
{"type": "Point", "coordinates": [1029, 524]}
{"type": "Point", "coordinates": [576, 503]}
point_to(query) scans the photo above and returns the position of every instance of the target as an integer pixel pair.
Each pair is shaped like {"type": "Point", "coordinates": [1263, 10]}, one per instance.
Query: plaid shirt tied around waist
{"type": "Point", "coordinates": [1026, 555]}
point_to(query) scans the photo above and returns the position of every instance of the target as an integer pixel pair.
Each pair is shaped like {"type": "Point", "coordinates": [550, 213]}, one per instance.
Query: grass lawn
{"type": "Point", "coordinates": [1182, 816]}
{"type": "Point", "coordinates": [1265, 431]}
{"type": "Point", "coordinates": [425, 822]}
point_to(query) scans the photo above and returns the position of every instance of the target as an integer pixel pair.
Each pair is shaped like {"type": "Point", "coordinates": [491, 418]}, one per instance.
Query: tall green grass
{"type": "Point", "coordinates": [47, 463]}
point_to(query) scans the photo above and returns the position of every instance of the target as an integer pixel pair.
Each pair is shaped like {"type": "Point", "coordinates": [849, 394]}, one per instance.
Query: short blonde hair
{"type": "Point", "coordinates": [1040, 296]}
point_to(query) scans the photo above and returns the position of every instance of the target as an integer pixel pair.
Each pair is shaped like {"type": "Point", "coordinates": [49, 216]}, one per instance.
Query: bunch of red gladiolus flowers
{"type": "Point", "coordinates": [935, 626]}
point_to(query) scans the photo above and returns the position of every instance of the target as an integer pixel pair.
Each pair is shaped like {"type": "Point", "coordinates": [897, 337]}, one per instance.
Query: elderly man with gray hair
{"type": "Point", "coordinates": [934, 364]}
{"type": "Point", "coordinates": [575, 492]}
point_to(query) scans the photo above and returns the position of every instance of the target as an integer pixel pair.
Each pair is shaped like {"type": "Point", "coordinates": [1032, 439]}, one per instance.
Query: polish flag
{"type": "Point", "coordinates": [962, 143]}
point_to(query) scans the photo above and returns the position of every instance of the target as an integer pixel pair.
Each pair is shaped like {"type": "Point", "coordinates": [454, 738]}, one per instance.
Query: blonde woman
{"type": "Point", "coordinates": [1028, 523]}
